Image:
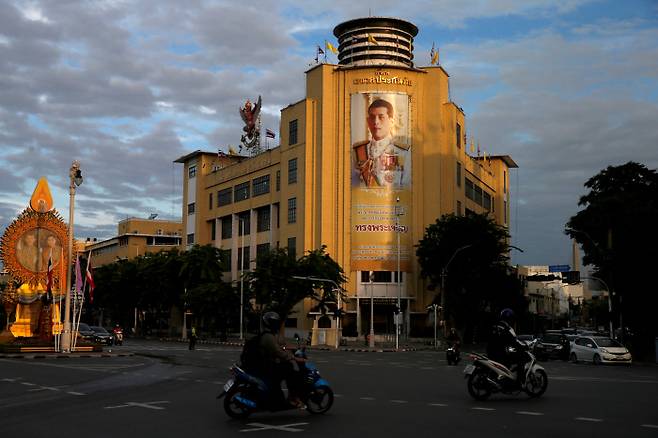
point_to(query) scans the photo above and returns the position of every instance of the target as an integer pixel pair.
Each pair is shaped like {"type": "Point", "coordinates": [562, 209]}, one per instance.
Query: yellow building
{"type": "Point", "coordinates": [136, 237]}
{"type": "Point", "coordinates": [375, 152]}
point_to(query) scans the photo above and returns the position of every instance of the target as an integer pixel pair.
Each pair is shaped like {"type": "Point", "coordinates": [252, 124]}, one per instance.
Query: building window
{"type": "Point", "coordinates": [505, 182]}
{"type": "Point", "coordinates": [459, 208]}
{"type": "Point", "coordinates": [263, 219]}
{"type": "Point", "coordinates": [470, 193]}
{"type": "Point", "coordinates": [292, 132]}
{"type": "Point", "coordinates": [210, 201]}
{"type": "Point", "coordinates": [224, 197]}
{"type": "Point", "coordinates": [261, 185]}
{"type": "Point", "coordinates": [242, 191]}
{"type": "Point", "coordinates": [292, 210]}
{"type": "Point", "coordinates": [227, 227]}
{"type": "Point", "coordinates": [276, 206]}
{"type": "Point", "coordinates": [486, 201]}
{"type": "Point", "coordinates": [244, 223]}
{"type": "Point", "coordinates": [213, 229]}
{"type": "Point", "coordinates": [478, 195]}
{"type": "Point", "coordinates": [292, 247]}
{"type": "Point", "coordinates": [243, 258]}
{"type": "Point", "coordinates": [190, 239]}
{"type": "Point", "coordinates": [262, 250]}
{"type": "Point", "coordinates": [381, 276]}
{"type": "Point", "coordinates": [458, 131]}
{"type": "Point", "coordinates": [459, 174]}
{"type": "Point", "coordinates": [191, 172]}
{"type": "Point", "coordinates": [190, 208]}
{"type": "Point", "coordinates": [292, 171]}
{"type": "Point", "coordinates": [278, 180]}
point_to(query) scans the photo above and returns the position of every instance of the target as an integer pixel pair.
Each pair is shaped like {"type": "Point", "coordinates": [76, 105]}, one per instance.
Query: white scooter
{"type": "Point", "coordinates": [486, 377]}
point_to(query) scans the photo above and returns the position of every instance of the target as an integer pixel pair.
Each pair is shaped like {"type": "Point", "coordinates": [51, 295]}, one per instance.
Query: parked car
{"type": "Point", "coordinates": [102, 336]}
{"type": "Point", "coordinates": [599, 349]}
{"type": "Point", "coordinates": [552, 346]}
{"type": "Point", "coordinates": [85, 332]}
{"type": "Point", "coordinates": [529, 340]}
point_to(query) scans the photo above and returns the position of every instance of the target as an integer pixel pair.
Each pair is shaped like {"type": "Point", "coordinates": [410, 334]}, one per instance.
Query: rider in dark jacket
{"type": "Point", "coordinates": [503, 337]}
{"type": "Point", "coordinates": [278, 364]}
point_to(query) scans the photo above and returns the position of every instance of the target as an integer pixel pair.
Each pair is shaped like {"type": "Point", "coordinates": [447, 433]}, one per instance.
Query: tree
{"type": "Point", "coordinates": [472, 252]}
{"type": "Point", "coordinates": [616, 229]}
{"type": "Point", "coordinates": [274, 287]}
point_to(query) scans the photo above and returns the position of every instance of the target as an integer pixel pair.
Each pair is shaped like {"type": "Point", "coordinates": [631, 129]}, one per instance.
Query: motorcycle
{"type": "Point", "coordinates": [486, 377]}
{"type": "Point", "coordinates": [118, 336]}
{"type": "Point", "coordinates": [246, 394]}
{"type": "Point", "coordinates": [453, 355]}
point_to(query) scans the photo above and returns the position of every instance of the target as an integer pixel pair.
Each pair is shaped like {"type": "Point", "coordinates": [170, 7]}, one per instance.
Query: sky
{"type": "Point", "coordinates": [565, 87]}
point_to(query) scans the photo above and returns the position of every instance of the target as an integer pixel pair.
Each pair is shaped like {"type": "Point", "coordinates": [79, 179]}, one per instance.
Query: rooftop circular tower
{"type": "Point", "coordinates": [376, 41]}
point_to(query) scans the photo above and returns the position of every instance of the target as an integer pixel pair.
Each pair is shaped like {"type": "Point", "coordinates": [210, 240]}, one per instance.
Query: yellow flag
{"type": "Point", "coordinates": [435, 57]}
{"type": "Point", "coordinates": [372, 40]}
{"type": "Point", "coordinates": [331, 48]}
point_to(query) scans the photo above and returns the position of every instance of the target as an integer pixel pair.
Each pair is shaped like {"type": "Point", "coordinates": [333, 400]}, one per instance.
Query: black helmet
{"type": "Point", "coordinates": [507, 314]}
{"type": "Point", "coordinates": [272, 321]}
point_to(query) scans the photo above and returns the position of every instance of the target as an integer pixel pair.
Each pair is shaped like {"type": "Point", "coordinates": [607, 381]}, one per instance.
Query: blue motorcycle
{"type": "Point", "coordinates": [246, 394]}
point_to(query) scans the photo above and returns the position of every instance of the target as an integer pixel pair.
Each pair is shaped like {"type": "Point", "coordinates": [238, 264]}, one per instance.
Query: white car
{"type": "Point", "coordinates": [599, 349]}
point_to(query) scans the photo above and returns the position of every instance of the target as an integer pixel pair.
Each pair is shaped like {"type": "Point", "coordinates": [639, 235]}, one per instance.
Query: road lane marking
{"type": "Point", "coordinates": [76, 393]}
{"type": "Point", "coordinates": [398, 401]}
{"type": "Point", "coordinates": [6, 379]}
{"type": "Point", "coordinates": [483, 409]}
{"type": "Point", "coordinates": [28, 384]}
{"type": "Point", "coordinates": [651, 426]}
{"type": "Point", "coordinates": [593, 420]}
{"type": "Point", "coordinates": [149, 405]}
{"type": "Point", "coordinates": [367, 398]}
{"type": "Point", "coordinates": [258, 427]}
{"type": "Point", "coordinates": [529, 413]}
{"type": "Point", "coordinates": [437, 404]}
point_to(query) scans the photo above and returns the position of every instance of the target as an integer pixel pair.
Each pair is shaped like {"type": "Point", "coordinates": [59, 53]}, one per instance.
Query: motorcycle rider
{"type": "Point", "coordinates": [278, 364]}
{"type": "Point", "coordinates": [503, 337]}
{"type": "Point", "coordinates": [453, 339]}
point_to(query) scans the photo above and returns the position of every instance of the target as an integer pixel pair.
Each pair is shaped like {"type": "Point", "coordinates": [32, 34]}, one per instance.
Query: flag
{"type": "Point", "coordinates": [478, 148]}
{"type": "Point", "coordinates": [90, 279]}
{"type": "Point", "coordinates": [331, 47]}
{"type": "Point", "coordinates": [320, 51]}
{"type": "Point", "coordinates": [220, 153]}
{"type": "Point", "coordinates": [472, 146]}
{"type": "Point", "coordinates": [432, 52]}
{"type": "Point", "coordinates": [435, 57]}
{"type": "Point", "coordinates": [269, 133]}
{"type": "Point", "coordinates": [372, 40]}
{"type": "Point", "coordinates": [78, 276]}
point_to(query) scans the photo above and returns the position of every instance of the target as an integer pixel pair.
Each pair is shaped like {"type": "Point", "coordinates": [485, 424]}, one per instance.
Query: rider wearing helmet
{"type": "Point", "coordinates": [278, 364]}
{"type": "Point", "coordinates": [502, 338]}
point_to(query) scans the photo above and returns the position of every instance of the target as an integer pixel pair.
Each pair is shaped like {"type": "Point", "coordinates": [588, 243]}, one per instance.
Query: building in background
{"type": "Point", "coordinates": [375, 148]}
{"type": "Point", "coordinates": [136, 237]}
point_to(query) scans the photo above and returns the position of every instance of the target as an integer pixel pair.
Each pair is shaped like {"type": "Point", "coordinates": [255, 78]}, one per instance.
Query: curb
{"type": "Point", "coordinates": [63, 355]}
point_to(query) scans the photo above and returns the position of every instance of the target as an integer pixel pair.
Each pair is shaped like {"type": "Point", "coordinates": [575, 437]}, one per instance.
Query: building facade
{"type": "Point", "coordinates": [374, 153]}
{"type": "Point", "coordinates": [136, 237]}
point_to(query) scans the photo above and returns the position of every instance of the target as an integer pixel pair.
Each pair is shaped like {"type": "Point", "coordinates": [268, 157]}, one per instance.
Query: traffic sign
{"type": "Point", "coordinates": [559, 268]}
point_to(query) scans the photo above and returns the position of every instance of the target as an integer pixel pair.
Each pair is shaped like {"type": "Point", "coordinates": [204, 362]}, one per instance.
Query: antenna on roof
{"type": "Point", "coordinates": [153, 216]}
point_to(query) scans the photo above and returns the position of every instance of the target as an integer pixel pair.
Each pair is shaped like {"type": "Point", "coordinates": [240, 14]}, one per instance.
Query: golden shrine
{"type": "Point", "coordinates": [32, 250]}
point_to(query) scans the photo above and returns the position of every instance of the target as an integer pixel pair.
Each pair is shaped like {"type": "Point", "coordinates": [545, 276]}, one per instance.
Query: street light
{"type": "Point", "coordinates": [398, 316]}
{"type": "Point", "coordinates": [75, 178]}
{"type": "Point", "coordinates": [444, 274]}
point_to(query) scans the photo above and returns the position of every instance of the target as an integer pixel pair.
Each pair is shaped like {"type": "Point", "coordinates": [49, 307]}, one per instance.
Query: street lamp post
{"type": "Point", "coordinates": [444, 274]}
{"type": "Point", "coordinates": [371, 342]}
{"type": "Point", "coordinates": [75, 179]}
{"type": "Point", "coordinates": [398, 316]}
{"type": "Point", "coordinates": [241, 267]}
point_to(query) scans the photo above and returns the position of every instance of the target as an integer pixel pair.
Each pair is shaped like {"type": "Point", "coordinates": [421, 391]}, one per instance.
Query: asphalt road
{"type": "Point", "coordinates": [164, 390]}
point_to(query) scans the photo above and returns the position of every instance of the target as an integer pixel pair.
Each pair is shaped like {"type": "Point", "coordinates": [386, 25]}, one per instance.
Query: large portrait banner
{"type": "Point", "coordinates": [381, 181]}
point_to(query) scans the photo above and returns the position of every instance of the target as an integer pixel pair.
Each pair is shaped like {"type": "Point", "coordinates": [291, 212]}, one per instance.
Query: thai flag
{"type": "Point", "coordinates": [269, 133]}
{"type": "Point", "coordinates": [90, 280]}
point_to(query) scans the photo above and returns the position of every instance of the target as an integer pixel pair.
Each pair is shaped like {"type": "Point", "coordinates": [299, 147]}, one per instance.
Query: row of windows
{"type": "Point", "coordinates": [244, 254]}
{"type": "Point", "coordinates": [263, 220]}
{"type": "Point", "coordinates": [477, 195]}
{"type": "Point", "coordinates": [381, 276]}
{"type": "Point", "coordinates": [259, 186]}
